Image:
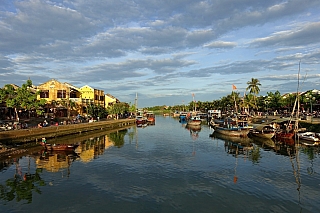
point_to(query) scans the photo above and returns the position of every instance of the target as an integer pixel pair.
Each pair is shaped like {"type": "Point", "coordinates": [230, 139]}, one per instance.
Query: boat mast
{"type": "Point", "coordinates": [136, 103]}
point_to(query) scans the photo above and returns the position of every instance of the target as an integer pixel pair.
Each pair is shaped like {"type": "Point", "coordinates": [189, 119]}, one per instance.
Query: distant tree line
{"type": "Point", "coordinates": [250, 102]}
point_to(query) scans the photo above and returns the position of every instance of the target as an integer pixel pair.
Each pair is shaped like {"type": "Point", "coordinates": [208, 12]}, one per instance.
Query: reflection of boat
{"type": "Point", "coordinates": [58, 147]}
{"type": "Point", "coordinates": [263, 131]}
{"type": "Point", "coordinates": [240, 141]}
{"type": "Point", "coordinates": [263, 142]}
{"type": "Point", "coordinates": [194, 131]}
{"type": "Point", "coordinates": [309, 136]}
{"type": "Point", "coordinates": [194, 121]}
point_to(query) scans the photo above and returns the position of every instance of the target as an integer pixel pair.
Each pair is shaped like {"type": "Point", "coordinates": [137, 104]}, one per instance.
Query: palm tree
{"type": "Point", "coordinates": [253, 87]}
{"type": "Point", "coordinates": [247, 103]}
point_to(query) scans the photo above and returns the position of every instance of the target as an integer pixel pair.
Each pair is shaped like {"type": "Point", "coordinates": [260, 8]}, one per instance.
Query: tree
{"type": "Point", "coordinates": [253, 87]}
{"type": "Point", "coordinates": [23, 97]}
{"type": "Point", "coordinates": [247, 103]}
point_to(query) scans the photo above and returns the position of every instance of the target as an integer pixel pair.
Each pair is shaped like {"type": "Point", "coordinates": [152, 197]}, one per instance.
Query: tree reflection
{"type": "Point", "coordinates": [255, 155]}
{"type": "Point", "coordinates": [118, 137]}
{"type": "Point", "coordinates": [21, 187]}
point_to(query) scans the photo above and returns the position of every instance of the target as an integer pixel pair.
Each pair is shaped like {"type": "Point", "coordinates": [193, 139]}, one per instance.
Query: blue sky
{"type": "Point", "coordinates": [162, 50]}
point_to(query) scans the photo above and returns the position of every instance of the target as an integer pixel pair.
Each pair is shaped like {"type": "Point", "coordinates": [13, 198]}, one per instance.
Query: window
{"type": "Point", "coordinates": [61, 94]}
{"type": "Point", "coordinates": [44, 94]}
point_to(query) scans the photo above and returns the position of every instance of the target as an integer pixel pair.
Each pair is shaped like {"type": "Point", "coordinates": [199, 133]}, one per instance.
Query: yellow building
{"type": "Point", "coordinates": [55, 93]}
{"type": "Point", "coordinates": [90, 96]}
{"type": "Point", "coordinates": [110, 100]}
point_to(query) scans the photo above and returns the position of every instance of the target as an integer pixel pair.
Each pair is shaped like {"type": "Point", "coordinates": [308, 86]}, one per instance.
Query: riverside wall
{"type": "Point", "coordinates": [35, 134]}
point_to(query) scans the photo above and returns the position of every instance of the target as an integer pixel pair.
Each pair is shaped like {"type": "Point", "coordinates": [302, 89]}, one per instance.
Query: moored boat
{"type": "Point", "coordinates": [232, 131]}
{"type": "Point", "coordinates": [140, 120]}
{"type": "Point", "coordinates": [194, 121]}
{"type": "Point", "coordinates": [263, 131]}
{"type": "Point", "coordinates": [151, 119]}
{"type": "Point", "coordinates": [58, 147]}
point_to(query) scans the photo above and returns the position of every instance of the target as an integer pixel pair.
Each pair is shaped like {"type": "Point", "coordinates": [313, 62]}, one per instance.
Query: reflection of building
{"type": "Point", "coordinates": [93, 148]}
{"type": "Point", "coordinates": [53, 162]}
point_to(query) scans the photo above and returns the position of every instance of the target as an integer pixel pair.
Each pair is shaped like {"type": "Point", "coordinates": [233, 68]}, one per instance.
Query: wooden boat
{"type": "Point", "coordinates": [263, 131]}
{"type": "Point", "coordinates": [232, 131]}
{"type": "Point", "coordinates": [194, 121]}
{"type": "Point", "coordinates": [58, 147]}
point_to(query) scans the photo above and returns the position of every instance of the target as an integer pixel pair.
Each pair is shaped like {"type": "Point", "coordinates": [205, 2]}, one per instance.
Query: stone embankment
{"type": "Point", "coordinates": [35, 134]}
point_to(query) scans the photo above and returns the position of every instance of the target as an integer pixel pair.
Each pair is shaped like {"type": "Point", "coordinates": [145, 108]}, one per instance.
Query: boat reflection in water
{"type": "Point", "coordinates": [194, 131]}
{"type": "Point", "coordinates": [234, 145]}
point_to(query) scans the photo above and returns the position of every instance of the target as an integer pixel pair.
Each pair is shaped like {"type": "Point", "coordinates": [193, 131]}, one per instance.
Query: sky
{"type": "Point", "coordinates": [162, 50]}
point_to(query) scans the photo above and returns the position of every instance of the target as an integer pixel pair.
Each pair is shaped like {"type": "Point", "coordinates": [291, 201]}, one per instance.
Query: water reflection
{"type": "Point", "coordinates": [194, 131]}
{"type": "Point", "coordinates": [163, 176]}
{"type": "Point", "coordinates": [22, 185]}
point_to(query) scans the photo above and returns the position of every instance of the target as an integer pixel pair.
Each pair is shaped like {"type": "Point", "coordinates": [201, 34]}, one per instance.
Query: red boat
{"type": "Point", "coordinates": [151, 118]}
{"type": "Point", "coordinates": [140, 120]}
{"type": "Point", "coordinates": [58, 147]}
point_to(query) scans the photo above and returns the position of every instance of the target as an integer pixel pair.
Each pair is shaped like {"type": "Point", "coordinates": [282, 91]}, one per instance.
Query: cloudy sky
{"type": "Point", "coordinates": [163, 50]}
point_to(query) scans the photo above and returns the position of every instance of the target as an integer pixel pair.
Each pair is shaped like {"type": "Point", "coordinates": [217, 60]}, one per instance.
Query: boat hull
{"type": "Point", "coordinates": [232, 132]}
{"type": "Point", "coordinates": [59, 147]}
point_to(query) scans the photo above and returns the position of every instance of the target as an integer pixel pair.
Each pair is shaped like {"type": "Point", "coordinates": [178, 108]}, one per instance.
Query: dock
{"type": "Point", "coordinates": [36, 134]}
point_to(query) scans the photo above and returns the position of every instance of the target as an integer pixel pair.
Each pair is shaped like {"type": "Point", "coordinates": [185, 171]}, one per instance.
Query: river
{"type": "Point", "coordinates": [164, 168]}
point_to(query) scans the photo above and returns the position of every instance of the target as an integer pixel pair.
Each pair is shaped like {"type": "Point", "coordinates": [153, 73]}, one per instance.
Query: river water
{"type": "Point", "coordinates": [164, 168]}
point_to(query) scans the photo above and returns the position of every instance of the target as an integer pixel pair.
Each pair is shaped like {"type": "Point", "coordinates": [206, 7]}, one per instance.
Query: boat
{"type": "Point", "coordinates": [151, 119]}
{"type": "Point", "coordinates": [234, 128]}
{"type": "Point", "coordinates": [263, 131]}
{"type": "Point", "coordinates": [309, 136]}
{"type": "Point", "coordinates": [58, 147]}
{"type": "Point", "coordinates": [140, 120]}
{"type": "Point", "coordinates": [194, 121]}
{"type": "Point", "coordinates": [234, 144]}
{"type": "Point", "coordinates": [232, 131]}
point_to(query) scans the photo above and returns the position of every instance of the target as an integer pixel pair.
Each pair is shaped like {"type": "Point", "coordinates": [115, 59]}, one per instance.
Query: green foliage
{"type": "Point", "coordinates": [97, 111]}
{"type": "Point", "coordinates": [21, 98]}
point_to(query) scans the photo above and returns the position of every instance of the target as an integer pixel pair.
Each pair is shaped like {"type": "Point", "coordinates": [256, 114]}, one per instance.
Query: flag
{"type": "Point", "coordinates": [234, 87]}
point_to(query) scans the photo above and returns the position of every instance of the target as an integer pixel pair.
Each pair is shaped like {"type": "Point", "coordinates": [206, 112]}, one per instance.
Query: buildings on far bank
{"type": "Point", "coordinates": [58, 95]}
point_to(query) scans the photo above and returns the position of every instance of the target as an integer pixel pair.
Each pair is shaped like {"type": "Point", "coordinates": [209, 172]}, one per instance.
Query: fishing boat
{"type": "Point", "coordinates": [233, 128]}
{"type": "Point", "coordinates": [232, 131]}
{"type": "Point", "coordinates": [263, 131]}
{"type": "Point", "coordinates": [194, 121]}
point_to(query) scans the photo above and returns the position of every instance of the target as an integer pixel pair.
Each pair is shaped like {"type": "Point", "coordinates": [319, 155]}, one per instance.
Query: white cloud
{"type": "Point", "coordinates": [151, 45]}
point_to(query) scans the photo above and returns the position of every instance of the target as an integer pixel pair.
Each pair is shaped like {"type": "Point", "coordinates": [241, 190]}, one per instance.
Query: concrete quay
{"type": "Point", "coordinates": [35, 134]}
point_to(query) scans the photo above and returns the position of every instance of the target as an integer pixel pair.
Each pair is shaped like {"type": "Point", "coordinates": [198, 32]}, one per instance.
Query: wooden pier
{"type": "Point", "coordinates": [35, 134]}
